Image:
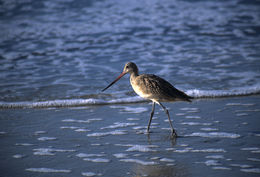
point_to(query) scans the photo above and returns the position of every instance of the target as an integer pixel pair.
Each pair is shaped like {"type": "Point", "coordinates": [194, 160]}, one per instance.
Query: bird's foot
{"type": "Point", "coordinates": [174, 134]}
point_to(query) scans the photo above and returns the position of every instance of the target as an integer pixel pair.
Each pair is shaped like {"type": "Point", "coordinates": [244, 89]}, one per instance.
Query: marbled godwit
{"type": "Point", "coordinates": [153, 88]}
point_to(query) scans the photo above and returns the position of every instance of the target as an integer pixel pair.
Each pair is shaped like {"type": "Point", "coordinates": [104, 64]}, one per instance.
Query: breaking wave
{"type": "Point", "coordinates": [197, 94]}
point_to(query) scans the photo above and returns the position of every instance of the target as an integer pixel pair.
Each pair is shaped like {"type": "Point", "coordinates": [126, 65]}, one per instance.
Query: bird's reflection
{"type": "Point", "coordinates": [170, 138]}
{"type": "Point", "coordinates": [159, 171]}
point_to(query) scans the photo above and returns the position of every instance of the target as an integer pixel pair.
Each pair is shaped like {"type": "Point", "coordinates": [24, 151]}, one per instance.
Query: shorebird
{"type": "Point", "coordinates": [153, 88]}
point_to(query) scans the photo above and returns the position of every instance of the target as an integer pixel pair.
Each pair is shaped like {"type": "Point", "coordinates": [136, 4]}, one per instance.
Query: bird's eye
{"type": "Point", "coordinates": [126, 66]}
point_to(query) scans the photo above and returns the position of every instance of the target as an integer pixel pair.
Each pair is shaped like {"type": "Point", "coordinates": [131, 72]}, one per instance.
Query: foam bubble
{"type": "Point", "coordinates": [24, 144]}
{"type": "Point", "coordinates": [47, 170]}
{"type": "Point", "coordinates": [120, 155]}
{"type": "Point", "coordinates": [115, 132]}
{"type": "Point", "coordinates": [47, 138]}
{"type": "Point", "coordinates": [18, 156]}
{"type": "Point", "coordinates": [241, 114]}
{"type": "Point", "coordinates": [212, 163]}
{"type": "Point", "coordinates": [39, 132]}
{"type": "Point", "coordinates": [208, 129]}
{"type": "Point", "coordinates": [250, 149]}
{"type": "Point", "coordinates": [189, 109]}
{"type": "Point", "coordinates": [88, 174]}
{"type": "Point", "coordinates": [133, 119]}
{"type": "Point", "coordinates": [221, 168]}
{"type": "Point", "coordinates": [142, 148]}
{"type": "Point", "coordinates": [240, 165]}
{"type": "Point", "coordinates": [135, 110]}
{"type": "Point", "coordinates": [192, 117]}
{"type": "Point", "coordinates": [208, 150]}
{"type": "Point", "coordinates": [119, 125]}
{"type": "Point", "coordinates": [195, 123]}
{"type": "Point", "coordinates": [251, 170]}
{"type": "Point", "coordinates": [139, 161]}
{"type": "Point", "coordinates": [69, 127]}
{"type": "Point", "coordinates": [215, 157]}
{"type": "Point", "coordinates": [254, 159]}
{"type": "Point", "coordinates": [50, 151]}
{"type": "Point", "coordinates": [91, 174]}
{"type": "Point", "coordinates": [97, 160]}
{"type": "Point", "coordinates": [81, 130]}
{"type": "Point", "coordinates": [2, 133]}
{"type": "Point", "coordinates": [84, 155]}
{"type": "Point", "coordinates": [215, 135]}
{"type": "Point", "coordinates": [167, 160]}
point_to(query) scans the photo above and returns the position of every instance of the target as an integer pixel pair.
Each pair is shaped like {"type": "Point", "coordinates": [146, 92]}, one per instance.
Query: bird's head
{"type": "Point", "coordinates": [130, 68]}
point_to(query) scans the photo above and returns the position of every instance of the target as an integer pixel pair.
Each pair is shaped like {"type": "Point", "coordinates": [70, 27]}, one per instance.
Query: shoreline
{"type": "Point", "coordinates": [219, 137]}
{"type": "Point", "coordinates": [67, 103]}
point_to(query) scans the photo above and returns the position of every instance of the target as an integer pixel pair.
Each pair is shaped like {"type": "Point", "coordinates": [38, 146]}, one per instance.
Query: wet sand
{"type": "Point", "coordinates": [218, 137]}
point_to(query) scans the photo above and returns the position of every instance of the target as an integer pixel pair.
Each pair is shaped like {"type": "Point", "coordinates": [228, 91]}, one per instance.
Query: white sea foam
{"type": "Point", "coordinates": [210, 150]}
{"type": "Point", "coordinates": [24, 144]}
{"type": "Point", "coordinates": [221, 168]}
{"type": "Point", "coordinates": [133, 119]}
{"type": "Point", "coordinates": [81, 130]}
{"type": "Point", "coordinates": [215, 135]}
{"type": "Point", "coordinates": [189, 109]}
{"type": "Point", "coordinates": [120, 155]}
{"type": "Point", "coordinates": [97, 160]}
{"type": "Point", "coordinates": [81, 121]}
{"type": "Point", "coordinates": [39, 132]}
{"type": "Point", "coordinates": [2, 133]}
{"type": "Point", "coordinates": [135, 110]}
{"type": "Point", "coordinates": [215, 157]}
{"type": "Point", "coordinates": [251, 170]}
{"type": "Point", "coordinates": [250, 149]}
{"type": "Point", "coordinates": [19, 156]}
{"type": "Point", "coordinates": [167, 160]}
{"type": "Point", "coordinates": [142, 148]}
{"type": "Point", "coordinates": [115, 132]}
{"type": "Point", "coordinates": [91, 174]}
{"type": "Point", "coordinates": [192, 117]}
{"type": "Point", "coordinates": [241, 165]}
{"type": "Point", "coordinates": [84, 155]}
{"type": "Point", "coordinates": [133, 99]}
{"type": "Point", "coordinates": [239, 91]}
{"type": "Point", "coordinates": [48, 170]}
{"type": "Point", "coordinates": [212, 163]}
{"type": "Point", "coordinates": [185, 150]}
{"type": "Point", "coordinates": [140, 127]}
{"type": "Point", "coordinates": [88, 174]}
{"type": "Point", "coordinates": [195, 123]}
{"type": "Point", "coordinates": [50, 151]}
{"type": "Point", "coordinates": [119, 125]}
{"type": "Point", "coordinates": [139, 161]}
{"type": "Point", "coordinates": [254, 159]}
{"type": "Point", "coordinates": [241, 114]}
{"type": "Point", "coordinates": [47, 138]}
{"type": "Point", "coordinates": [69, 127]}
{"type": "Point", "coordinates": [208, 129]}
{"type": "Point", "coordinates": [240, 104]}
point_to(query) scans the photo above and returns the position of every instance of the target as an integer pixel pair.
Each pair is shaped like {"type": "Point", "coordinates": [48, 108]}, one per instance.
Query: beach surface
{"type": "Point", "coordinates": [217, 137]}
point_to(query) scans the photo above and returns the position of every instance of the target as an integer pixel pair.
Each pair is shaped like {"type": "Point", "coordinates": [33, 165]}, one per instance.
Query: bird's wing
{"type": "Point", "coordinates": [161, 89]}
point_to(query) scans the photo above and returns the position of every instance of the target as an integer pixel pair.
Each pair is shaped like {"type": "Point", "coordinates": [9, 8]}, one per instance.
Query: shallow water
{"type": "Point", "coordinates": [62, 53]}
{"type": "Point", "coordinates": [109, 141]}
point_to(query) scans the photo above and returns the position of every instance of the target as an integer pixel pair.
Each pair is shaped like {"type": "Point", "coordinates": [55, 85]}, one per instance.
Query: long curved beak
{"type": "Point", "coordinates": [121, 75]}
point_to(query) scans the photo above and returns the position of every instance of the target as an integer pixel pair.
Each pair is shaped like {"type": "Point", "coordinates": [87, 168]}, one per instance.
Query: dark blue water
{"type": "Point", "coordinates": [64, 52]}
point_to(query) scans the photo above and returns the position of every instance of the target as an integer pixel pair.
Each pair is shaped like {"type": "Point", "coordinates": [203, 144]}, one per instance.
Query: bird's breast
{"type": "Point", "coordinates": [140, 87]}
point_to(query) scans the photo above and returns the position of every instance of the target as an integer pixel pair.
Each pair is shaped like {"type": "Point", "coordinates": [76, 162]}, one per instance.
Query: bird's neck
{"type": "Point", "coordinates": [133, 75]}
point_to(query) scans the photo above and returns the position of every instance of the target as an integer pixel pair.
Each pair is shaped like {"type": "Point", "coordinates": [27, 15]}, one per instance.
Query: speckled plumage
{"type": "Point", "coordinates": [154, 88]}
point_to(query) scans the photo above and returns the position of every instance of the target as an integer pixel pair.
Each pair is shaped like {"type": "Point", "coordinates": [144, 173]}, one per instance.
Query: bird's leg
{"type": "Point", "coordinates": [167, 112]}
{"type": "Point", "coordinates": [151, 117]}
